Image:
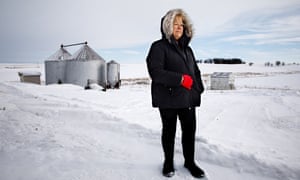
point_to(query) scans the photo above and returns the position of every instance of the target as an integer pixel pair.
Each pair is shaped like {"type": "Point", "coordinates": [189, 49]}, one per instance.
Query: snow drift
{"type": "Point", "coordinates": [66, 132]}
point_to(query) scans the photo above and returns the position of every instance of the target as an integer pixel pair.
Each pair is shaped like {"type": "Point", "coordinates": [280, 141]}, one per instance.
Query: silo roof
{"type": "Point", "coordinates": [86, 53]}
{"type": "Point", "coordinates": [60, 54]}
{"type": "Point", "coordinates": [113, 62]}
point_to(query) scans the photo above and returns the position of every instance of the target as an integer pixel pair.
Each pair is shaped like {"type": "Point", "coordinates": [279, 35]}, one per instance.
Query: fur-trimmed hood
{"type": "Point", "coordinates": [167, 25]}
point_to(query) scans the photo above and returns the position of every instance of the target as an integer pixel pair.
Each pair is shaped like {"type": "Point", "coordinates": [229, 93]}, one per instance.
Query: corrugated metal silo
{"type": "Point", "coordinates": [85, 67]}
{"type": "Point", "coordinates": [55, 66]}
{"type": "Point", "coordinates": [113, 74]}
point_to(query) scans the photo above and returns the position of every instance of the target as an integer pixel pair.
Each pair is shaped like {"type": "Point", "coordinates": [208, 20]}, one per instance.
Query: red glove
{"type": "Point", "coordinates": [187, 81]}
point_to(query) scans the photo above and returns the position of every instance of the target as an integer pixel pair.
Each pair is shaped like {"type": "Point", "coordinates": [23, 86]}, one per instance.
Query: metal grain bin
{"type": "Point", "coordinates": [85, 67]}
{"type": "Point", "coordinates": [82, 72]}
{"type": "Point", "coordinates": [55, 72]}
{"type": "Point", "coordinates": [55, 66]}
{"type": "Point", "coordinates": [113, 74]}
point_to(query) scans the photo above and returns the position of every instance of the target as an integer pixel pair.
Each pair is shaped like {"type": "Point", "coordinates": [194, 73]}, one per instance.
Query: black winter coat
{"type": "Point", "coordinates": [166, 63]}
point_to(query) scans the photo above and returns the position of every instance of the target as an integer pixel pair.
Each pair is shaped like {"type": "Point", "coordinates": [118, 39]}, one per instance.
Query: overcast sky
{"type": "Point", "coordinates": [254, 30]}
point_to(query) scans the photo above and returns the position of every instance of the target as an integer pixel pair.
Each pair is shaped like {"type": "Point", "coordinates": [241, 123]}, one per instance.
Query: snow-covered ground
{"type": "Point", "coordinates": [66, 132]}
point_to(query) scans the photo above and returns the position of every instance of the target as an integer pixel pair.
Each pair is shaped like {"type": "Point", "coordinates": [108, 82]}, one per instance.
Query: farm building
{"type": "Point", "coordinates": [30, 77]}
{"type": "Point", "coordinates": [221, 81]}
{"type": "Point", "coordinates": [84, 67]}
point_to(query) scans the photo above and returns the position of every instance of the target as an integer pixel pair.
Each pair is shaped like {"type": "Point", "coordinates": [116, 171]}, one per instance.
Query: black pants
{"type": "Point", "coordinates": [187, 119]}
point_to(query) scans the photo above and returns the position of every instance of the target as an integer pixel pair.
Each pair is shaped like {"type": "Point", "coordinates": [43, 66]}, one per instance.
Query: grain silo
{"type": "Point", "coordinates": [55, 66]}
{"type": "Point", "coordinates": [86, 67]}
{"type": "Point", "coordinates": [113, 74]}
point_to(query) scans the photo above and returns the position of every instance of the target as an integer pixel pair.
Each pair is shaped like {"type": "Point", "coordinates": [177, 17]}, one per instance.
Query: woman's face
{"type": "Point", "coordinates": [178, 27]}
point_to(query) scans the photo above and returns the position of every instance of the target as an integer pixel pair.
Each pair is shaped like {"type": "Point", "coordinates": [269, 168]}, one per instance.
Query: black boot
{"type": "Point", "coordinates": [196, 171]}
{"type": "Point", "coordinates": [168, 169]}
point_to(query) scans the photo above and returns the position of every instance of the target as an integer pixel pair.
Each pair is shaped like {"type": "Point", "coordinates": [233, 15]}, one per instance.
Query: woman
{"type": "Point", "coordinates": [176, 88]}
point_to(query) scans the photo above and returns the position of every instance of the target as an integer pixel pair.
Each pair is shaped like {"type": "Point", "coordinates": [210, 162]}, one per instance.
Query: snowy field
{"type": "Point", "coordinates": [65, 132]}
